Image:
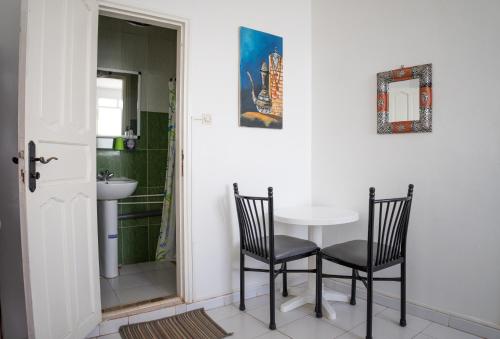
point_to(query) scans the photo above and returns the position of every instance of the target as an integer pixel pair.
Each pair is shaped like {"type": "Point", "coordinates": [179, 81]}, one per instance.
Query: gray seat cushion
{"type": "Point", "coordinates": [352, 252]}
{"type": "Point", "coordinates": [287, 247]}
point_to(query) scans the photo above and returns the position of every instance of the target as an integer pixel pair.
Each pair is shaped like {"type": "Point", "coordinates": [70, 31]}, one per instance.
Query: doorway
{"type": "Point", "coordinates": [143, 57]}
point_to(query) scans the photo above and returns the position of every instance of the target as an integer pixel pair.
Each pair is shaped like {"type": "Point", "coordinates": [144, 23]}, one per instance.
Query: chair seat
{"type": "Point", "coordinates": [287, 247]}
{"type": "Point", "coordinates": [352, 252]}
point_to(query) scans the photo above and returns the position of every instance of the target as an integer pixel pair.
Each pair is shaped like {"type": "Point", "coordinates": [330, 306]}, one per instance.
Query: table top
{"type": "Point", "coordinates": [315, 215]}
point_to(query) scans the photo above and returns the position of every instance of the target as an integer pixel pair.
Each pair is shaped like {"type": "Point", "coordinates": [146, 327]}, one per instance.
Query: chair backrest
{"type": "Point", "coordinates": [392, 217]}
{"type": "Point", "coordinates": [256, 228]}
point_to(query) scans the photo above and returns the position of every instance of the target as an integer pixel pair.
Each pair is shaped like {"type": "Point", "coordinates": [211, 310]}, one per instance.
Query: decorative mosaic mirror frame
{"type": "Point", "coordinates": [424, 124]}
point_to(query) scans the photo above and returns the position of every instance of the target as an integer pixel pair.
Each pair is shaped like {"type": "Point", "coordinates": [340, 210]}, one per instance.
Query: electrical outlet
{"type": "Point", "coordinates": [206, 119]}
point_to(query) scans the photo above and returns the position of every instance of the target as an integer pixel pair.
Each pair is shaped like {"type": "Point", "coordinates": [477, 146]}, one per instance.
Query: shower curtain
{"type": "Point", "coordinates": [165, 250]}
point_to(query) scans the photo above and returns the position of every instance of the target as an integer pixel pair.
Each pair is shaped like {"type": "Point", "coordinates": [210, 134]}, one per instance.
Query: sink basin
{"type": "Point", "coordinates": [115, 188]}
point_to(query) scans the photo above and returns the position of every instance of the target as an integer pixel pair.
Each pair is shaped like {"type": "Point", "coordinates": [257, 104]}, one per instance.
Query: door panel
{"type": "Point", "coordinates": [57, 77]}
{"type": "Point", "coordinates": [59, 172]}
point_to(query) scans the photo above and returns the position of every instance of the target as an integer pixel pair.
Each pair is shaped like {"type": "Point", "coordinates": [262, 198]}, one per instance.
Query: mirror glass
{"type": "Point", "coordinates": [118, 94]}
{"type": "Point", "coordinates": [403, 100]}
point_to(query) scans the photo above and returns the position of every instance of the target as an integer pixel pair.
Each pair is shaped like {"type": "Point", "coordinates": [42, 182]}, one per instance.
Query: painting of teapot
{"type": "Point", "coordinates": [261, 102]}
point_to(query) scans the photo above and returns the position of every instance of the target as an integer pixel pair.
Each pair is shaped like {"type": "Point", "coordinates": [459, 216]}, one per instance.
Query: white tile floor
{"type": "Point", "coordinates": [301, 323]}
{"type": "Point", "coordinates": [139, 282]}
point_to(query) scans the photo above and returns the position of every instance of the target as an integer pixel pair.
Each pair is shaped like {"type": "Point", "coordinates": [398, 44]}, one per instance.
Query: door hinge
{"type": "Point", "coordinates": [182, 163]}
{"type": "Point", "coordinates": [16, 160]}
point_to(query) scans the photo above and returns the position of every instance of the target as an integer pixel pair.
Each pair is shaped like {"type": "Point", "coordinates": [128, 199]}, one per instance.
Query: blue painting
{"type": "Point", "coordinates": [261, 79]}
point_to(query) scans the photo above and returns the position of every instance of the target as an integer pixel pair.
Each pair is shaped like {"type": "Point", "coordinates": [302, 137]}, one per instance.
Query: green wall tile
{"type": "Point", "coordinates": [135, 222]}
{"type": "Point", "coordinates": [135, 245]}
{"type": "Point", "coordinates": [157, 130]}
{"type": "Point", "coordinates": [154, 232]}
{"type": "Point", "coordinates": [142, 142]}
{"type": "Point", "coordinates": [134, 166]}
{"type": "Point", "coordinates": [134, 207]}
{"type": "Point", "coordinates": [157, 165]}
{"type": "Point", "coordinates": [109, 160]}
{"type": "Point", "coordinates": [154, 220]}
{"type": "Point", "coordinates": [155, 206]}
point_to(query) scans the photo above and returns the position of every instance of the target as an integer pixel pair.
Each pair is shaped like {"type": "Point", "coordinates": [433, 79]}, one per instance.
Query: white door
{"type": "Point", "coordinates": [59, 219]}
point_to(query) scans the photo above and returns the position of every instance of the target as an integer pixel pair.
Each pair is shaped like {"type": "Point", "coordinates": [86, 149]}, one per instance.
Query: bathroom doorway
{"type": "Point", "coordinates": [137, 91]}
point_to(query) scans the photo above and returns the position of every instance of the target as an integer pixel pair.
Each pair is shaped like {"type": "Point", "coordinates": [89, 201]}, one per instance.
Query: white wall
{"type": "Point", "coordinates": [453, 241]}
{"type": "Point", "coordinates": [223, 152]}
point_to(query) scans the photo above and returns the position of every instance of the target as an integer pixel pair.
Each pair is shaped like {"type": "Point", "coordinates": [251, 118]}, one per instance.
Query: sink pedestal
{"type": "Point", "coordinates": [107, 221]}
{"type": "Point", "coordinates": [108, 193]}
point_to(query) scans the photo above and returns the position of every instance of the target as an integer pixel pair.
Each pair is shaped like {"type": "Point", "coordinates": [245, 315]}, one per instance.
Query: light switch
{"type": "Point", "coordinates": [206, 119]}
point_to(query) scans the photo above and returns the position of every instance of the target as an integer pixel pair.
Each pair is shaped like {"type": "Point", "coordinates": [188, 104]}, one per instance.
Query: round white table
{"type": "Point", "coordinates": [315, 217]}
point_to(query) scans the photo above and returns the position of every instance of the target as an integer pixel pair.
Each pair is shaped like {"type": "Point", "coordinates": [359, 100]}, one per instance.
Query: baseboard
{"type": "Point", "coordinates": [445, 319]}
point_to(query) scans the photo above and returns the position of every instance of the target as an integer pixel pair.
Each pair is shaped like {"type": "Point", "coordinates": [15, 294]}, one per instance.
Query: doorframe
{"type": "Point", "coordinates": [183, 144]}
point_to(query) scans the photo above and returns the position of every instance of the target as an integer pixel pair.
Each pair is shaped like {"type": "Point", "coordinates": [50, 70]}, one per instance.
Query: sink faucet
{"type": "Point", "coordinates": [105, 175]}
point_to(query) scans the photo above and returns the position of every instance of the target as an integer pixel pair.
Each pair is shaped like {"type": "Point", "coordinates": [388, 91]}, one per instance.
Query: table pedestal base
{"type": "Point", "coordinates": [308, 296]}
{"type": "Point", "coordinates": [315, 217]}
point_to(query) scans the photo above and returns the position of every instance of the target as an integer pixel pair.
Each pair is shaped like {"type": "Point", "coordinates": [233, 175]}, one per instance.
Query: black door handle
{"type": "Point", "coordinates": [45, 161]}
{"type": "Point", "coordinates": [15, 160]}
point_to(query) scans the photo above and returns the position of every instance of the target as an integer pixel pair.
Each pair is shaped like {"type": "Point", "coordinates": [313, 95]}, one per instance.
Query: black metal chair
{"type": "Point", "coordinates": [257, 240]}
{"type": "Point", "coordinates": [384, 249]}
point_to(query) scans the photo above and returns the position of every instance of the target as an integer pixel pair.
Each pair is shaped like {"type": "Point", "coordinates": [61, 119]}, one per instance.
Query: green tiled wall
{"type": "Point", "coordinates": [137, 238]}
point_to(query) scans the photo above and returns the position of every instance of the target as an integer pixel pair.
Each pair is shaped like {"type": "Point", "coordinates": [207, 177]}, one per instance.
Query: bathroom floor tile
{"type": "Point", "coordinates": [109, 299]}
{"type": "Point", "coordinates": [139, 282]}
{"type": "Point", "coordinates": [130, 269]}
{"type": "Point", "coordinates": [129, 281]}
{"type": "Point", "coordinates": [156, 265]}
{"type": "Point", "coordinates": [161, 277]}
{"type": "Point", "coordinates": [142, 293]}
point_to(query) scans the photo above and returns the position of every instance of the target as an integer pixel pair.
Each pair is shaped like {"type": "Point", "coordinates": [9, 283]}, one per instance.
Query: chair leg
{"type": "Point", "coordinates": [319, 286]}
{"type": "Point", "coordinates": [369, 304]}
{"type": "Point", "coordinates": [285, 287]}
{"type": "Point", "coordinates": [272, 310]}
{"type": "Point", "coordinates": [353, 288]}
{"type": "Point", "coordinates": [402, 322]}
{"type": "Point", "coordinates": [242, 282]}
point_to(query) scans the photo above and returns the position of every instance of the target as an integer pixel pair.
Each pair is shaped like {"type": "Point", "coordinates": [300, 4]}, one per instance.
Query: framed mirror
{"type": "Point", "coordinates": [404, 100]}
{"type": "Point", "coordinates": [118, 103]}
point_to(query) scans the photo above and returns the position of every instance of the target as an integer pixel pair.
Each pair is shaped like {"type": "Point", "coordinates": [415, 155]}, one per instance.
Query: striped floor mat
{"type": "Point", "coordinates": [195, 324]}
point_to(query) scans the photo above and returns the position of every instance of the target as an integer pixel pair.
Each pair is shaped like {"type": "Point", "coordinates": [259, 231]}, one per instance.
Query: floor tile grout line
{"type": "Point", "coordinates": [267, 324]}
{"type": "Point", "coordinates": [426, 327]}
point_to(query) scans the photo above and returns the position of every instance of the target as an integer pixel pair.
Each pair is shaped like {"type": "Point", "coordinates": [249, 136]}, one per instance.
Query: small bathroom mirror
{"type": "Point", "coordinates": [118, 103]}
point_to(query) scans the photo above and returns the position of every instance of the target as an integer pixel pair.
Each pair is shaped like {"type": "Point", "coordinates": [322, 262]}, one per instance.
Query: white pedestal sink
{"type": "Point", "coordinates": [108, 193]}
